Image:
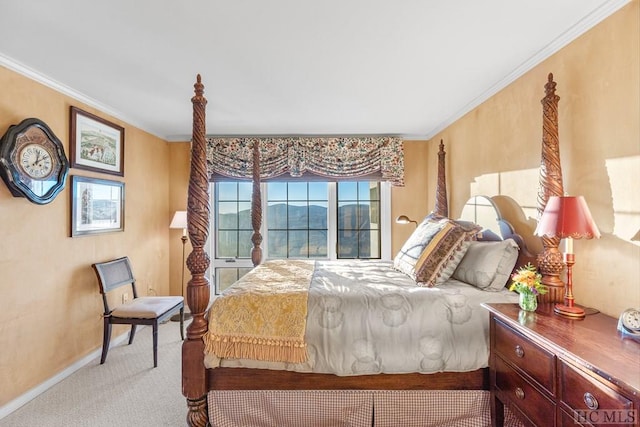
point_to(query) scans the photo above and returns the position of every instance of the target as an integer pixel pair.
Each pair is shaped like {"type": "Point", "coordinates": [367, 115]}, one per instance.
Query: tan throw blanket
{"type": "Point", "coordinates": [263, 315]}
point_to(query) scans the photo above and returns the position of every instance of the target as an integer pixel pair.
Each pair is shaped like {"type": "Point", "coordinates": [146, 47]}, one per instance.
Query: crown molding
{"type": "Point", "coordinates": [45, 80]}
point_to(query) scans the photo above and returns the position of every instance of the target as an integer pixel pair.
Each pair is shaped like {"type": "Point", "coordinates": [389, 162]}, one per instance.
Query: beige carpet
{"type": "Point", "coordinates": [126, 391]}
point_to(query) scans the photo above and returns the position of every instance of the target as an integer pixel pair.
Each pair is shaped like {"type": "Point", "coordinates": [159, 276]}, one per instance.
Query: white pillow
{"type": "Point", "coordinates": [487, 265]}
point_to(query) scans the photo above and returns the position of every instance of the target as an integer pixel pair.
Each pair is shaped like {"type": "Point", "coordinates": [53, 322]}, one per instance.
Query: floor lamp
{"type": "Point", "coordinates": [180, 221]}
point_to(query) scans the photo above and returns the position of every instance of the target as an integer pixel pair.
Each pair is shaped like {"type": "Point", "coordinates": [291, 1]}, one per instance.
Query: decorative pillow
{"type": "Point", "coordinates": [433, 251]}
{"type": "Point", "coordinates": [441, 256]}
{"type": "Point", "coordinates": [487, 265]}
{"type": "Point", "coordinates": [405, 260]}
{"type": "Point", "coordinates": [488, 236]}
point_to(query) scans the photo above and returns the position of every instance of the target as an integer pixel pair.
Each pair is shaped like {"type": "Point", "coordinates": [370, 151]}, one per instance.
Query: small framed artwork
{"type": "Point", "coordinates": [97, 206]}
{"type": "Point", "coordinates": [95, 143]}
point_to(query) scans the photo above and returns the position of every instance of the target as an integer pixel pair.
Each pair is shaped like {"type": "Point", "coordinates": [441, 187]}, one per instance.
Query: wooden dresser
{"type": "Point", "coordinates": [553, 371]}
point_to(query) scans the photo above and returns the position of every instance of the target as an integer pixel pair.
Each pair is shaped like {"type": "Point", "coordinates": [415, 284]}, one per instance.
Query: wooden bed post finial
{"type": "Point", "coordinates": [550, 260]}
{"type": "Point", "coordinates": [194, 380]}
{"type": "Point", "coordinates": [442, 207]}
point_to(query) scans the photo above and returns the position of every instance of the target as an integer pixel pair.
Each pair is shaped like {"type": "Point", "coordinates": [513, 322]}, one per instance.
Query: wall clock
{"type": "Point", "coordinates": [629, 323]}
{"type": "Point", "coordinates": [32, 161]}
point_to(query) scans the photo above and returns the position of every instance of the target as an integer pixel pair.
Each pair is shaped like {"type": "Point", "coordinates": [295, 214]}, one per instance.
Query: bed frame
{"type": "Point", "coordinates": [197, 380]}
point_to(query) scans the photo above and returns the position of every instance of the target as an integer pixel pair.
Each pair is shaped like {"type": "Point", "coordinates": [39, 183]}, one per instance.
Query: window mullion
{"type": "Point", "coordinates": [385, 220]}
{"type": "Point", "coordinates": [332, 221]}
{"type": "Point", "coordinates": [265, 215]}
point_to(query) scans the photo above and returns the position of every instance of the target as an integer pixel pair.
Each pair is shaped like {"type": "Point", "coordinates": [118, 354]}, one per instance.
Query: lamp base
{"type": "Point", "coordinates": [571, 312]}
{"type": "Point", "coordinates": [176, 317]}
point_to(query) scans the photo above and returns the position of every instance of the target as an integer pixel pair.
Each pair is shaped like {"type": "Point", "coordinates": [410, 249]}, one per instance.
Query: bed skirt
{"type": "Point", "coordinates": [357, 408]}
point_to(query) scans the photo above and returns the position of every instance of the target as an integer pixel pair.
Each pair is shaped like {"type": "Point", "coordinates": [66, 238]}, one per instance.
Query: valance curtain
{"type": "Point", "coordinates": [330, 157]}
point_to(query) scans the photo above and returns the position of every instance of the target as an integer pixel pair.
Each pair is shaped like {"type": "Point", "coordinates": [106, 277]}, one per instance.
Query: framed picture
{"type": "Point", "coordinates": [96, 144]}
{"type": "Point", "coordinates": [97, 206]}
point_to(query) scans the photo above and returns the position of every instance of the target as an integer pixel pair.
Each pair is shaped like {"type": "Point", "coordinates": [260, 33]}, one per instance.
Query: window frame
{"type": "Point", "coordinates": [332, 226]}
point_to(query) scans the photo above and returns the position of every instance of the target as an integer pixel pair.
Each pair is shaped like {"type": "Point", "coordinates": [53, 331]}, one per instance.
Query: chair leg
{"type": "Point", "coordinates": [132, 334]}
{"type": "Point", "coordinates": [182, 323]}
{"type": "Point", "coordinates": [106, 338]}
{"type": "Point", "coordinates": [155, 344]}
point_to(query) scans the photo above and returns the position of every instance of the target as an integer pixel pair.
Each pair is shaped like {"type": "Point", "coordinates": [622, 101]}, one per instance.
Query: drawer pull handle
{"type": "Point", "coordinates": [519, 393]}
{"type": "Point", "coordinates": [591, 401]}
{"type": "Point", "coordinates": [519, 351]}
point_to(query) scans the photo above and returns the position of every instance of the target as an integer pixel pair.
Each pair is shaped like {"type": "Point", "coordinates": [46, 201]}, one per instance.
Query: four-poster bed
{"type": "Point", "coordinates": [199, 380]}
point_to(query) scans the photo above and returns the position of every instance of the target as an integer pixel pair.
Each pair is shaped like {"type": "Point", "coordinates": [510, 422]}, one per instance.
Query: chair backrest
{"type": "Point", "coordinates": [115, 273]}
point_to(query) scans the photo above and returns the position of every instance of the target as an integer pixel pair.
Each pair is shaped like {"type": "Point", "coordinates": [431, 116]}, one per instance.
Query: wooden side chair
{"type": "Point", "coordinates": [150, 310]}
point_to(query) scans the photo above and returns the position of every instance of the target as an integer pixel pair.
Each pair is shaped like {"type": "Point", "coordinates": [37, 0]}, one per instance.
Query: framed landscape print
{"type": "Point", "coordinates": [95, 143]}
{"type": "Point", "coordinates": [97, 206]}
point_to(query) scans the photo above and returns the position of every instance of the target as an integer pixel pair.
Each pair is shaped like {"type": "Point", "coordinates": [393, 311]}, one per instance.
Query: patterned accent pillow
{"type": "Point", "coordinates": [435, 248]}
{"type": "Point", "coordinates": [405, 260]}
{"type": "Point", "coordinates": [441, 256]}
{"type": "Point", "coordinates": [488, 265]}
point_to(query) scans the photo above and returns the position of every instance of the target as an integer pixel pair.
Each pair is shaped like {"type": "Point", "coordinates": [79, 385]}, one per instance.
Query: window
{"type": "Point", "coordinates": [296, 219]}
{"type": "Point", "coordinates": [320, 220]}
{"type": "Point", "coordinates": [232, 210]}
{"type": "Point", "coordinates": [358, 220]}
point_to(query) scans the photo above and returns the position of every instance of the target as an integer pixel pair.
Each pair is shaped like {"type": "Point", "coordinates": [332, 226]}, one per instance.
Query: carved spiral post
{"type": "Point", "coordinates": [256, 206]}
{"type": "Point", "coordinates": [442, 207]}
{"type": "Point", "coordinates": [550, 260]}
{"type": "Point", "coordinates": [194, 382]}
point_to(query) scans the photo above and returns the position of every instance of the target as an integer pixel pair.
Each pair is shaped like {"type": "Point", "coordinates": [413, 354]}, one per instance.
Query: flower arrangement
{"type": "Point", "coordinates": [528, 281]}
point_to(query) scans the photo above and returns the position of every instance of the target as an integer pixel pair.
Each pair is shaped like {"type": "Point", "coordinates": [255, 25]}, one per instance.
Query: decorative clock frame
{"type": "Point", "coordinates": [21, 173]}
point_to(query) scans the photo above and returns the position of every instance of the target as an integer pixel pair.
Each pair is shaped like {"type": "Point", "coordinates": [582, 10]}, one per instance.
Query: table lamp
{"type": "Point", "coordinates": [567, 217]}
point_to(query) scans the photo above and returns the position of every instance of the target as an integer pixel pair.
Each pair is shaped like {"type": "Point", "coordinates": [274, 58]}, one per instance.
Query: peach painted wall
{"type": "Point", "coordinates": [411, 200]}
{"type": "Point", "coordinates": [495, 150]}
{"type": "Point", "coordinates": [50, 306]}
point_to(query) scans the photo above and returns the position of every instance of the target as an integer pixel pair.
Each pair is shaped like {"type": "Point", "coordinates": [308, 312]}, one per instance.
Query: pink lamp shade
{"type": "Point", "coordinates": [567, 216]}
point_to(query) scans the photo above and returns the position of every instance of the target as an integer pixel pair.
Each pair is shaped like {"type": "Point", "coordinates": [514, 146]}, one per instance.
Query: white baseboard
{"type": "Point", "coordinates": [41, 388]}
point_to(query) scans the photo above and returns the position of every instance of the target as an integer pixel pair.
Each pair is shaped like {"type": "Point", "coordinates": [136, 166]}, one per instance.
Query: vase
{"type": "Point", "coordinates": [528, 302]}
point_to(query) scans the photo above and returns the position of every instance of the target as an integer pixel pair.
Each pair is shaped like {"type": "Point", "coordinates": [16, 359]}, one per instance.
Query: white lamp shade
{"type": "Point", "coordinates": [179, 220]}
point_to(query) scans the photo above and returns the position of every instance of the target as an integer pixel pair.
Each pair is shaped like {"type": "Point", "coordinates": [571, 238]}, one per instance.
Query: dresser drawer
{"type": "Point", "coordinates": [532, 359]}
{"type": "Point", "coordinates": [581, 392]}
{"type": "Point", "coordinates": [539, 409]}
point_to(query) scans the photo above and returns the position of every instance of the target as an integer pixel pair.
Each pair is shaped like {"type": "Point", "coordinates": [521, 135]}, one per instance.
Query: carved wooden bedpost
{"type": "Point", "coordinates": [550, 260]}
{"type": "Point", "coordinates": [256, 206]}
{"type": "Point", "coordinates": [194, 379]}
{"type": "Point", "coordinates": [442, 207]}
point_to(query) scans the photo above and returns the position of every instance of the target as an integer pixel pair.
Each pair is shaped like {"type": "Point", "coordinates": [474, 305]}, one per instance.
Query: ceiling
{"type": "Point", "coordinates": [288, 67]}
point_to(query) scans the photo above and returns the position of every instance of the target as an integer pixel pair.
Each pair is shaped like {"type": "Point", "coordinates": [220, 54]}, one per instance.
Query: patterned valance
{"type": "Point", "coordinates": [331, 157]}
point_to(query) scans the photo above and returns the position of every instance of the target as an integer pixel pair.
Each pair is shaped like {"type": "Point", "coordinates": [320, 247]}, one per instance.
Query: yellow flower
{"type": "Point", "coordinates": [527, 280]}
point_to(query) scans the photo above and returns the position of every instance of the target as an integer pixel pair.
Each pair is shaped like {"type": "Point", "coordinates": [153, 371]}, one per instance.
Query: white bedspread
{"type": "Point", "coordinates": [366, 318]}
